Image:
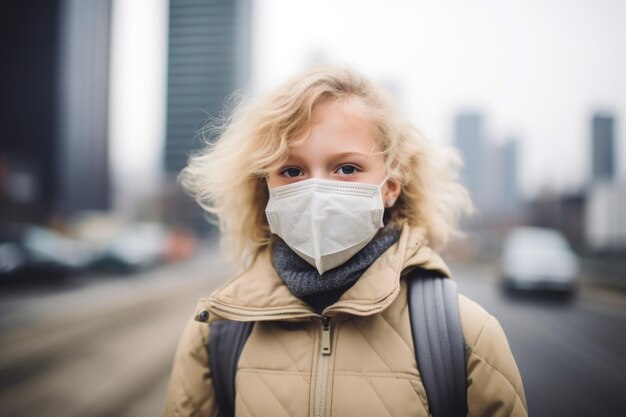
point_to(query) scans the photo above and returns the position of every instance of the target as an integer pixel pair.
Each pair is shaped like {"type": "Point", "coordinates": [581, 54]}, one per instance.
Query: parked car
{"type": "Point", "coordinates": [121, 246]}
{"type": "Point", "coordinates": [136, 247]}
{"type": "Point", "coordinates": [34, 253]}
{"type": "Point", "coordinates": [536, 258]}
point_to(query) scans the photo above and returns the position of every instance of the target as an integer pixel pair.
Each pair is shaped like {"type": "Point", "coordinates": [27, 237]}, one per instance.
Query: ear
{"type": "Point", "coordinates": [391, 191]}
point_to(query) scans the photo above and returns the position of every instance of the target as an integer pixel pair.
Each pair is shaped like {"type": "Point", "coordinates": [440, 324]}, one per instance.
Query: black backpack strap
{"type": "Point", "coordinates": [226, 341]}
{"type": "Point", "coordinates": [438, 340]}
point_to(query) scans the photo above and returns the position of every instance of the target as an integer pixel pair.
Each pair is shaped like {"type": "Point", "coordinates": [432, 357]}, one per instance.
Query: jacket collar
{"type": "Point", "coordinates": [259, 293]}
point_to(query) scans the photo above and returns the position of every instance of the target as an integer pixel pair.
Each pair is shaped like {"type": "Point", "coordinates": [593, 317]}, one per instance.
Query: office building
{"type": "Point", "coordinates": [468, 138]}
{"type": "Point", "coordinates": [208, 59]}
{"type": "Point", "coordinates": [509, 194]}
{"type": "Point", "coordinates": [53, 153]}
{"type": "Point", "coordinates": [602, 145]}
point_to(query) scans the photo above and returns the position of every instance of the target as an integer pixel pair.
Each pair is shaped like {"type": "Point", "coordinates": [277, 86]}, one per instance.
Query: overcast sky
{"type": "Point", "coordinates": [536, 69]}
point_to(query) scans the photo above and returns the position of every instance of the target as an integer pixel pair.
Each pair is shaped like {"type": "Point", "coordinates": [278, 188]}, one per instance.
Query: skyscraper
{"type": "Point", "coordinates": [468, 138]}
{"type": "Point", "coordinates": [54, 83]}
{"type": "Point", "coordinates": [509, 195]}
{"type": "Point", "coordinates": [208, 59]}
{"type": "Point", "coordinates": [602, 145]}
{"type": "Point", "coordinates": [84, 181]}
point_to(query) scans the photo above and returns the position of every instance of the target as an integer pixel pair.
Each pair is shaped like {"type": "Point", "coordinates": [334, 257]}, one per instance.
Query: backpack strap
{"type": "Point", "coordinates": [226, 341]}
{"type": "Point", "coordinates": [438, 340]}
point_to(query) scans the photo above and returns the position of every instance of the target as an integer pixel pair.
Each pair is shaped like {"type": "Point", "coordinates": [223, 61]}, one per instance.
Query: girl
{"type": "Point", "coordinates": [326, 198]}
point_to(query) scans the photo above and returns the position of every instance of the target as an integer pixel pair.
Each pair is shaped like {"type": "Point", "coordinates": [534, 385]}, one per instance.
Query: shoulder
{"type": "Point", "coordinates": [196, 336]}
{"type": "Point", "coordinates": [483, 333]}
{"type": "Point", "coordinates": [190, 389]}
{"type": "Point", "coordinates": [484, 336]}
{"type": "Point", "coordinates": [474, 318]}
{"type": "Point", "coordinates": [493, 376]}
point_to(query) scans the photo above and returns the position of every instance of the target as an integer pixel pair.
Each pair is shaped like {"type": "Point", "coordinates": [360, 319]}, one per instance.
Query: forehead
{"type": "Point", "coordinates": [336, 127]}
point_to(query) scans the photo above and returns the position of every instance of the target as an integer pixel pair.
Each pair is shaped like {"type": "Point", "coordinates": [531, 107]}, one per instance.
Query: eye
{"type": "Point", "coordinates": [291, 172]}
{"type": "Point", "coordinates": [347, 170]}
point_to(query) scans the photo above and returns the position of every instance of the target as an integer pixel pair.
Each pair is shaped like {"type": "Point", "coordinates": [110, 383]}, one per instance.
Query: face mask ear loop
{"type": "Point", "coordinates": [386, 202]}
{"type": "Point", "coordinates": [382, 184]}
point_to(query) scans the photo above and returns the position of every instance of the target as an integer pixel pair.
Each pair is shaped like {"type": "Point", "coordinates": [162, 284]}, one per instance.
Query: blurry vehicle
{"type": "Point", "coordinates": [536, 258]}
{"type": "Point", "coordinates": [136, 247]}
{"type": "Point", "coordinates": [34, 253]}
{"type": "Point", "coordinates": [123, 246]}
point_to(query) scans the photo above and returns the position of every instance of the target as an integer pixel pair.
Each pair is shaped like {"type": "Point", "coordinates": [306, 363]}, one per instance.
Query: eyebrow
{"type": "Point", "coordinates": [298, 158]}
{"type": "Point", "coordinates": [347, 154]}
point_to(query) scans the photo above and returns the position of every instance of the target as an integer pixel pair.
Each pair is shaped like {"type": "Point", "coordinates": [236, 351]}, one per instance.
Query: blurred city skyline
{"type": "Point", "coordinates": [529, 93]}
{"type": "Point", "coordinates": [536, 71]}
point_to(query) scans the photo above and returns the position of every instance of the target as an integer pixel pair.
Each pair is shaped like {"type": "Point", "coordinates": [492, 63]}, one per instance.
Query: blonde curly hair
{"type": "Point", "coordinates": [227, 177]}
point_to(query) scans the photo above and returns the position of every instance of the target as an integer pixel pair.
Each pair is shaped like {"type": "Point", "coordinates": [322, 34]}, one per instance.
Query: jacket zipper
{"type": "Point", "coordinates": [322, 368]}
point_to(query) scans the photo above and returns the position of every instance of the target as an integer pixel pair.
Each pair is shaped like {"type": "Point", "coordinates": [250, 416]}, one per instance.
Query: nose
{"type": "Point", "coordinates": [320, 174]}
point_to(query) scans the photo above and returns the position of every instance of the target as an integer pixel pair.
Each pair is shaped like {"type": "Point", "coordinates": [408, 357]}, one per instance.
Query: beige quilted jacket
{"type": "Point", "coordinates": [369, 368]}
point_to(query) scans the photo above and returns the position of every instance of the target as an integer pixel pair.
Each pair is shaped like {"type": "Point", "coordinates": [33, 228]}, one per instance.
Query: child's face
{"type": "Point", "coordinates": [342, 147]}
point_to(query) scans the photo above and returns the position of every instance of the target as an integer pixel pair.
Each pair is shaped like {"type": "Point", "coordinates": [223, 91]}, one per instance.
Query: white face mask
{"type": "Point", "coordinates": [326, 222]}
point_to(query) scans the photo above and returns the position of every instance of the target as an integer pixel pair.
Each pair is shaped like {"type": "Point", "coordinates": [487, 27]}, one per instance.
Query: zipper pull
{"type": "Point", "coordinates": [326, 336]}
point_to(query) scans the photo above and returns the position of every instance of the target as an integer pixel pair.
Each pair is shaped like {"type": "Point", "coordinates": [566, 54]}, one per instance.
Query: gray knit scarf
{"type": "Point", "coordinates": [305, 282]}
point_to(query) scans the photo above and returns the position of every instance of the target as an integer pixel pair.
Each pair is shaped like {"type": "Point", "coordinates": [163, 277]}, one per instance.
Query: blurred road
{"type": "Point", "coordinates": [105, 348]}
{"type": "Point", "coordinates": [571, 353]}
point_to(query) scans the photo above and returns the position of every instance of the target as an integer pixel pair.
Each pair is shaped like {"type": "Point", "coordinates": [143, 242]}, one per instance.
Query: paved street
{"type": "Point", "coordinates": [571, 354]}
{"type": "Point", "coordinates": [99, 349]}
{"type": "Point", "coordinates": [104, 348]}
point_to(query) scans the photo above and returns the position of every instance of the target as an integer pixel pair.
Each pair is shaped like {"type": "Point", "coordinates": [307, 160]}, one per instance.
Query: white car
{"type": "Point", "coordinates": [536, 258]}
